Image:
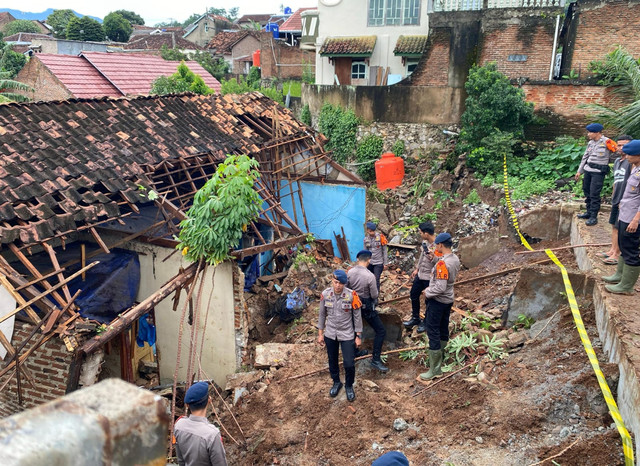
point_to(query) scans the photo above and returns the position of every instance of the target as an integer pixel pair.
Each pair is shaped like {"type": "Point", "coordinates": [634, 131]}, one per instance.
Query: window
{"type": "Point", "coordinates": [412, 64]}
{"type": "Point", "coordinates": [376, 12]}
{"type": "Point", "coordinates": [358, 69]}
{"type": "Point", "coordinates": [394, 12]}
{"type": "Point", "coordinates": [411, 12]}
{"type": "Point", "coordinates": [206, 27]}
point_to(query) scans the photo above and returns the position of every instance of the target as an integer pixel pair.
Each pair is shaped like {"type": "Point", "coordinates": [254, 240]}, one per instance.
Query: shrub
{"type": "Point", "coordinates": [367, 152]}
{"type": "Point", "coordinates": [295, 87]}
{"type": "Point", "coordinates": [305, 115]}
{"type": "Point", "coordinates": [472, 198]}
{"type": "Point", "coordinates": [340, 126]}
{"type": "Point", "coordinates": [398, 148]}
{"type": "Point", "coordinates": [240, 86]}
{"type": "Point", "coordinates": [555, 161]}
{"type": "Point", "coordinates": [488, 157]}
{"type": "Point", "coordinates": [254, 77]}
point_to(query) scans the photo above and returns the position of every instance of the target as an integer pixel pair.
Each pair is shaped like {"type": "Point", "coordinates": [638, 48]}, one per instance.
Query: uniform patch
{"type": "Point", "coordinates": [442, 273]}
{"type": "Point", "coordinates": [611, 145]}
{"type": "Point", "coordinates": [383, 240]}
{"type": "Point", "coordinates": [356, 303]}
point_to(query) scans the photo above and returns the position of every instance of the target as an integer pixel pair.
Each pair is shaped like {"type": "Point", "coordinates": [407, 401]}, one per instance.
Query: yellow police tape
{"type": "Point", "coordinates": [627, 444]}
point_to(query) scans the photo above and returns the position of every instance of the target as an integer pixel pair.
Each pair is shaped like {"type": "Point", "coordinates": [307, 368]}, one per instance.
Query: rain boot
{"type": "Point", "coordinates": [435, 362]}
{"type": "Point", "coordinates": [616, 277]}
{"type": "Point", "coordinates": [629, 279]}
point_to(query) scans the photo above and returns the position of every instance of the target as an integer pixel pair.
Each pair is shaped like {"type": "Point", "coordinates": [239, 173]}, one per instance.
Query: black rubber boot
{"type": "Point", "coordinates": [376, 363]}
{"type": "Point", "coordinates": [351, 395]}
{"type": "Point", "coordinates": [423, 326]}
{"type": "Point", "coordinates": [409, 324]}
{"type": "Point", "coordinates": [584, 215]}
{"type": "Point", "coordinates": [592, 221]}
{"type": "Point", "coordinates": [361, 352]}
{"type": "Point", "coordinates": [335, 389]}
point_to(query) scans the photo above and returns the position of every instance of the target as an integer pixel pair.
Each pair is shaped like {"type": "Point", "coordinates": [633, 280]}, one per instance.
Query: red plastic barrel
{"type": "Point", "coordinates": [389, 171]}
{"type": "Point", "coordinates": [256, 58]}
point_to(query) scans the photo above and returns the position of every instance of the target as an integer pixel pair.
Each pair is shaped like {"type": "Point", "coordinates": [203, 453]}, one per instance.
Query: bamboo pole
{"type": "Point", "coordinates": [587, 245]}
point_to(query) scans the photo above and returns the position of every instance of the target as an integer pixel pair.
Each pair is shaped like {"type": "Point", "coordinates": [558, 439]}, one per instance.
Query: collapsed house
{"type": "Point", "coordinates": [88, 256]}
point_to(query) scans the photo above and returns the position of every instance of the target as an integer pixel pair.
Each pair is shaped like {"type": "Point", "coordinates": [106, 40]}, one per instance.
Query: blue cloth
{"type": "Point", "coordinates": [392, 458]}
{"type": "Point", "coordinates": [146, 332]}
{"type": "Point", "coordinates": [341, 276]}
{"type": "Point", "coordinates": [632, 148]}
{"type": "Point", "coordinates": [442, 237]}
{"type": "Point", "coordinates": [364, 254]}
{"type": "Point", "coordinates": [371, 226]}
{"type": "Point", "coordinates": [594, 127]}
{"type": "Point", "coordinates": [197, 392]}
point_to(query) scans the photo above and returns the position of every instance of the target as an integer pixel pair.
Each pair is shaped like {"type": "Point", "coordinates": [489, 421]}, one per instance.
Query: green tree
{"type": "Point", "coordinates": [231, 15]}
{"type": "Point", "coordinates": [172, 54]}
{"type": "Point", "coordinates": [492, 103]}
{"type": "Point", "coordinates": [7, 88]}
{"type": "Point", "coordinates": [130, 16]}
{"type": "Point", "coordinates": [621, 72]}
{"type": "Point", "coordinates": [341, 127]}
{"type": "Point", "coordinates": [190, 20]}
{"type": "Point", "coordinates": [20, 25]}
{"type": "Point", "coordinates": [117, 27]}
{"type": "Point", "coordinates": [58, 20]}
{"type": "Point", "coordinates": [183, 80]}
{"type": "Point", "coordinates": [217, 67]}
{"type": "Point", "coordinates": [85, 28]}
{"type": "Point", "coordinates": [11, 62]}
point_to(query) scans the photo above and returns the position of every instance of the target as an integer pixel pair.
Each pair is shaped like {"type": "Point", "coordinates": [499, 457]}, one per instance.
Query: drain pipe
{"type": "Point", "coordinates": [553, 51]}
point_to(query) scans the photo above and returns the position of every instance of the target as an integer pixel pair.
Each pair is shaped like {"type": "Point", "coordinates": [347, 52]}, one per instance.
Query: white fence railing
{"type": "Point", "coordinates": [471, 5]}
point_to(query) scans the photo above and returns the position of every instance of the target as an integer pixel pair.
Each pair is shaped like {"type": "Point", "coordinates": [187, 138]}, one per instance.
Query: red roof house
{"type": "Point", "coordinates": [294, 23]}
{"type": "Point", "coordinates": [98, 74]}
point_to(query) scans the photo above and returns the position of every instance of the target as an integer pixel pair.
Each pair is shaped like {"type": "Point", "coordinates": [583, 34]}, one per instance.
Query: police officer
{"type": "Point", "coordinates": [595, 166]}
{"type": "Point", "coordinates": [339, 319]}
{"type": "Point", "coordinates": [376, 242]}
{"type": "Point", "coordinates": [439, 296]}
{"type": "Point", "coordinates": [628, 269]}
{"type": "Point", "coordinates": [198, 443]}
{"type": "Point", "coordinates": [363, 282]}
{"type": "Point", "coordinates": [421, 275]}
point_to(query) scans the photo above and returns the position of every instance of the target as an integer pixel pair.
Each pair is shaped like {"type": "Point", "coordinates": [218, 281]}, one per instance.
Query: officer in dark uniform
{"type": "Point", "coordinates": [421, 275]}
{"type": "Point", "coordinates": [363, 282]}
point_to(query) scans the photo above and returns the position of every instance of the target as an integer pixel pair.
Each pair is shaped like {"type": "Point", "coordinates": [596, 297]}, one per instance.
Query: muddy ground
{"type": "Point", "coordinates": [539, 400]}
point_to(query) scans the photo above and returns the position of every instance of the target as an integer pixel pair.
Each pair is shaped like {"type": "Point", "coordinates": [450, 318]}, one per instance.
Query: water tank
{"type": "Point", "coordinates": [256, 58]}
{"type": "Point", "coordinates": [389, 171]}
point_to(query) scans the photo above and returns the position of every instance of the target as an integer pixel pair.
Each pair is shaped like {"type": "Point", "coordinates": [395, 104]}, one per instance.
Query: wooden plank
{"type": "Point", "coordinates": [56, 266]}
{"type": "Point", "coordinates": [37, 280]}
{"type": "Point", "coordinates": [96, 237]}
{"type": "Point", "coordinates": [273, 276]}
{"type": "Point", "coordinates": [242, 253]}
{"type": "Point", "coordinates": [19, 299]}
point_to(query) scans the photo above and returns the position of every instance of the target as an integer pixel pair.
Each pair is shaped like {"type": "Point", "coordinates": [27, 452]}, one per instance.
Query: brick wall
{"type": "Point", "coordinates": [48, 366]}
{"type": "Point", "coordinates": [602, 26]}
{"type": "Point", "coordinates": [433, 68]}
{"type": "Point", "coordinates": [284, 55]}
{"type": "Point", "coordinates": [533, 41]}
{"type": "Point", "coordinates": [46, 85]}
{"type": "Point", "coordinates": [244, 48]}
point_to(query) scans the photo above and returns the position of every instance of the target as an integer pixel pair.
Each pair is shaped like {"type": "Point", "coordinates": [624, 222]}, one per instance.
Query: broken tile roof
{"type": "Point", "coordinates": [78, 75]}
{"type": "Point", "coordinates": [133, 74]}
{"type": "Point", "coordinates": [224, 41]}
{"type": "Point", "coordinates": [67, 165]}
{"type": "Point", "coordinates": [359, 46]}
{"type": "Point", "coordinates": [294, 23]}
{"type": "Point", "coordinates": [262, 19]}
{"type": "Point", "coordinates": [156, 41]}
{"type": "Point", "coordinates": [410, 45]}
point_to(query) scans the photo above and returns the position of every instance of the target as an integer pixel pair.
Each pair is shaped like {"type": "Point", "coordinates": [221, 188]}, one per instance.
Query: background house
{"type": "Point", "coordinates": [202, 30]}
{"type": "Point", "coordinates": [356, 40]}
{"type": "Point", "coordinates": [236, 48]}
{"type": "Point", "coordinates": [153, 43]}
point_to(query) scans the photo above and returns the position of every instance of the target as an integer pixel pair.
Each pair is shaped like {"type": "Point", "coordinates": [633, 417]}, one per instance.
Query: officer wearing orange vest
{"type": "Point", "coordinates": [339, 319]}
{"type": "Point", "coordinates": [376, 242]}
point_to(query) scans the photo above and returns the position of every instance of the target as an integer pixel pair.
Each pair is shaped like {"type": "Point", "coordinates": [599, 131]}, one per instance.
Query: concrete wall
{"type": "Point", "coordinates": [46, 85]}
{"type": "Point", "coordinates": [202, 35]}
{"type": "Point", "coordinates": [349, 18]}
{"type": "Point", "coordinates": [67, 47]}
{"type": "Point", "coordinates": [244, 48]}
{"type": "Point", "coordinates": [391, 104]}
{"type": "Point", "coordinates": [330, 207]}
{"type": "Point", "coordinates": [112, 423]}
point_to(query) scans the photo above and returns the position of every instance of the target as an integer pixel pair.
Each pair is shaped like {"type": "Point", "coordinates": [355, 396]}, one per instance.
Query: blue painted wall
{"type": "Point", "coordinates": [328, 208]}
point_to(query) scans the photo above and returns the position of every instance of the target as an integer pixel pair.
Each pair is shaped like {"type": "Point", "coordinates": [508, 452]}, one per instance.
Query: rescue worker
{"type": "Point", "coordinates": [621, 170]}
{"type": "Point", "coordinates": [421, 275]}
{"type": "Point", "coordinates": [339, 319]}
{"type": "Point", "coordinates": [439, 296]}
{"type": "Point", "coordinates": [376, 242]}
{"type": "Point", "coordinates": [198, 442]}
{"type": "Point", "coordinates": [628, 269]}
{"type": "Point", "coordinates": [363, 282]}
{"type": "Point", "coordinates": [595, 166]}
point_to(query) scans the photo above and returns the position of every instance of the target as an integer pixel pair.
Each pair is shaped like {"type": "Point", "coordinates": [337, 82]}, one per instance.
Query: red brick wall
{"type": "Point", "coordinates": [601, 28]}
{"type": "Point", "coordinates": [46, 85]}
{"type": "Point", "coordinates": [48, 366]}
{"type": "Point", "coordinates": [433, 68]}
{"type": "Point", "coordinates": [535, 42]}
{"type": "Point", "coordinates": [284, 55]}
{"type": "Point", "coordinates": [244, 48]}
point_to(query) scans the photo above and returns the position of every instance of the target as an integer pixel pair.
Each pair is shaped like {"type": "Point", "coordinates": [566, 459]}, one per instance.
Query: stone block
{"type": "Point", "coordinates": [476, 248]}
{"type": "Point", "coordinates": [242, 379]}
{"type": "Point", "coordinates": [273, 354]}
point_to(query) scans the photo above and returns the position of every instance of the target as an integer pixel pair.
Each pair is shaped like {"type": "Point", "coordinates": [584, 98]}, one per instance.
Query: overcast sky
{"type": "Point", "coordinates": [155, 11]}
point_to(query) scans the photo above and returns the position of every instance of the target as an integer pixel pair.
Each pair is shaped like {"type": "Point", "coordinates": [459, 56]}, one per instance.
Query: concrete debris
{"type": "Point", "coordinates": [243, 379]}
{"type": "Point", "coordinates": [516, 339]}
{"type": "Point", "coordinates": [273, 354]}
{"type": "Point", "coordinates": [238, 394]}
{"type": "Point", "coordinates": [369, 385]}
{"type": "Point", "coordinates": [400, 424]}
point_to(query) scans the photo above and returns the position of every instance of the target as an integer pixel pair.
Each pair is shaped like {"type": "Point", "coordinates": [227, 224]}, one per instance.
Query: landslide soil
{"type": "Point", "coordinates": [539, 400]}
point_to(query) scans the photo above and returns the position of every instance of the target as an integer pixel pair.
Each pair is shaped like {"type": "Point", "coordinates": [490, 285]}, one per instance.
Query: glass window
{"type": "Point", "coordinates": [411, 12]}
{"type": "Point", "coordinates": [358, 69]}
{"type": "Point", "coordinates": [412, 64]}
{"type": "Point", "coordinates": [376, 12]}
{"type": "Point", "coordinates": [394, 12]}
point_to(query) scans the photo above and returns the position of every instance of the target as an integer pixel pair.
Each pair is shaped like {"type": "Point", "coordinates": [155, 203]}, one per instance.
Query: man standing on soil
{"type": "Point", "coordinates": [439, 302]}
{"type": "Point", "coordinates": [595, 166]}
{"type": "Point", "coordinates": [339, 319]}
{"type": "Point", "coordinates": [363, 282]}
{"type": "Point", "coordinates": [621, 170]}
{"type": "Point", "coordinates": [376, 242]}
{"type": "Point", "coordinates": [628, 269]}
{"type": "Point", "coordinates": [421, 275]}
{"type": "Point", "coordinates": [198, 443]}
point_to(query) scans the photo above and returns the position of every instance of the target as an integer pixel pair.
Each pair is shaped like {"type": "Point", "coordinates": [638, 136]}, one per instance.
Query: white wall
{"type": "Point", "coordinates": [349, 18]}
